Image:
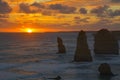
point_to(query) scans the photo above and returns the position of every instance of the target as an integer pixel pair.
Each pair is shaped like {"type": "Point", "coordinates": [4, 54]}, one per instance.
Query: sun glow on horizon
{"type": "Point", "coordinates": [29, 30]}
{"type": "Point", "coordinates": [32, 30]}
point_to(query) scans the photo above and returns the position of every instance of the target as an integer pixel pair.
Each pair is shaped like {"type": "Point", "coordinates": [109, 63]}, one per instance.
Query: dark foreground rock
{"type": "Point", "coordinates": [82, 53]}
{"type": "Point", "coordinates": [105, 43]}
{"type": "Point", "coordinates": [105, 70]}
{"type": "Point", "coordinates": [56, 78]}
{"type": "Point", "coordinates": [61, 47]}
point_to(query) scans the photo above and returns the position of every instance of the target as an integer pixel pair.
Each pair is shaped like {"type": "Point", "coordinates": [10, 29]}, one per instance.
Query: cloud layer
{"type": "Point", "coordinates": [4, 7]}
{"type": "Point", "coordinates": [60, 14]}
{"type": "Point", "coordinates": [115, 1]}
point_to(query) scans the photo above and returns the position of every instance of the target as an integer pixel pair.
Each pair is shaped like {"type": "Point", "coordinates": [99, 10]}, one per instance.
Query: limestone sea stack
{"type": "Point", "coordinates": [61, 47]}
{"type": "Point", "coordinates": [105, 70]}
{"type": "Point", "coordinates": [105, 43]}
{"type": "Point", "coordinates": [82, 53]}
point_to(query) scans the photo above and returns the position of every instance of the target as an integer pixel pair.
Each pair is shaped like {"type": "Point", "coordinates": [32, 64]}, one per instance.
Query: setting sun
{"type": "Point", "coordinates": [29, 30]}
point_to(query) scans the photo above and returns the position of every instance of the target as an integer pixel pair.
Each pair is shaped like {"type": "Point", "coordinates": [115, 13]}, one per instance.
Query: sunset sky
{"type": "Point", "coordinates": [59, 15]}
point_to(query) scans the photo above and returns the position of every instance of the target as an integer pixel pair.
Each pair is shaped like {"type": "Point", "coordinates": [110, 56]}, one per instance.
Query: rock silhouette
{"type": "Point", "coordinates": [82, 53]}
{"type": "Point", "coordinates": [61, 47]}
{"type": "Point", "coordinates": [56, 78]}
{"type": "Point", "coordinates": [105, 43]}
{"type": "Point", "coordinates": [105, 70]}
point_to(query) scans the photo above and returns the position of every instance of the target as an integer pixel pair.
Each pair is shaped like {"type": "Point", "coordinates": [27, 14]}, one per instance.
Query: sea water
{"type": "Point", "coordinates": [32, 56]}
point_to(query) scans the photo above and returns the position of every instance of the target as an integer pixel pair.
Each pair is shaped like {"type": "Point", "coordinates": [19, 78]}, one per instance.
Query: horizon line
{"type": "Point", "coordinates": [57, 31]}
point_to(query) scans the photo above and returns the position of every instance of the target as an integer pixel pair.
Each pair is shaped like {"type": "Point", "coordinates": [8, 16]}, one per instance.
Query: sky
{"type": "Point", "coordinates": [59, 15]}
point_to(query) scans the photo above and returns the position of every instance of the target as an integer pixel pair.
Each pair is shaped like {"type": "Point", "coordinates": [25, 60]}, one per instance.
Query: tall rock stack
{"type": "Point", "coordinates": [61, 47]}
{"type": "Point", "coordinates": [82, 53]}
{"type": "Point", "coordinates": [105, 43]}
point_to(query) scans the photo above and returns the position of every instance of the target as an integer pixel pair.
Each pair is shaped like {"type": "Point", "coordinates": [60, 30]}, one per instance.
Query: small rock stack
{"type": "Point", "coordinates": [61, 47]}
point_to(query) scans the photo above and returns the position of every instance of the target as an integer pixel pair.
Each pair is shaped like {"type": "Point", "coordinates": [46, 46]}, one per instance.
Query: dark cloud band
{"type": "Point", "coordinates": [4, 7]}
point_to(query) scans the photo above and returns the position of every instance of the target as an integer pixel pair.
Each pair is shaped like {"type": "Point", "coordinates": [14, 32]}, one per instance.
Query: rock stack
{"type": "Point", "coordinates": [61, 47]}
{"type": "Point", "coordinates": [82, 53]}
{"type": "Point", "coordinates": [105, 70]}
{"type": "Point", "coordinates": [56, 78]}
{"type": "Point", "coordinates": [105, 43]}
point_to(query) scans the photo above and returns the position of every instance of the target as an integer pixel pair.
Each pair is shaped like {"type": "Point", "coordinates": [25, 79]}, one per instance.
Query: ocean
{"type": "Point", "coordinates": [32, 56]}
